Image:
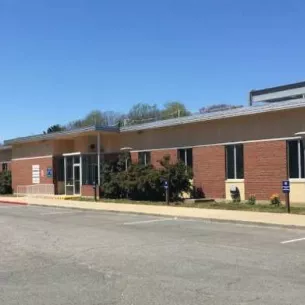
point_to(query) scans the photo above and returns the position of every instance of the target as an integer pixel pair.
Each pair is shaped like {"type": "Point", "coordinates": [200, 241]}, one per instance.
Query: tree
{"type": "Point", "coordinates": [143, 113]}
{"type": "Point", "coordinates": [99, 118]}
{"type": "Point", "coordinates": [55, 128]}
{"type": "Point", "coordinates": [95, 117]}
{"type": "Point", "coordinates": [174, 109]}
{"type": "Point", "coordinates": [113, 118]}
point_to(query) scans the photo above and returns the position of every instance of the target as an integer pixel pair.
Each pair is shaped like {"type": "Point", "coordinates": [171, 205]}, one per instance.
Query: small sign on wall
{"type": "Point", "coordinates": [49, 172]}
{"type": "Point", "coordinates": [35, 174]}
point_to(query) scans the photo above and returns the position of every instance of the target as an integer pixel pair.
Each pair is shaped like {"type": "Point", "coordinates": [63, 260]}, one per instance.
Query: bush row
{"type": "Point", "coordinates": [5, 183]}
{"type": "Point", "coordinates": [144, 182]}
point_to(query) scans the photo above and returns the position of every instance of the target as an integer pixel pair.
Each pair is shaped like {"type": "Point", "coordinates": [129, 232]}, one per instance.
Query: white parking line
{"type": "Point", "coordinates": [148, 221]}
{"type": "Point", "coordinates": [292, 240]}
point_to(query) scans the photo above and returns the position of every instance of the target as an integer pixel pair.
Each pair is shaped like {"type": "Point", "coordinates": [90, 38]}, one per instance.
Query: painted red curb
{"type": "Point", "coordinates": [13, 202]}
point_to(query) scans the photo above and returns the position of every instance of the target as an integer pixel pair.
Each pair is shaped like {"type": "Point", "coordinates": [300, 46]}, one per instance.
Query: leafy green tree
{"type": "Point", "coordinates": [95, 117]}
{"type": "Point", "coordinates": [173, 110]}
{"type": "Point", "coordinates": [143, 113]}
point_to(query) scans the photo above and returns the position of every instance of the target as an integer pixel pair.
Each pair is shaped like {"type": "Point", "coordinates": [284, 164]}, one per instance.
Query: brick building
{"type": "Point", "coordinates": [252, 148]}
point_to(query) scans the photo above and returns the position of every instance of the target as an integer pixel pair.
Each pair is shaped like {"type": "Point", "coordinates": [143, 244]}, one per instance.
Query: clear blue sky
{"type": "Point", "coordinates": [59, 59]}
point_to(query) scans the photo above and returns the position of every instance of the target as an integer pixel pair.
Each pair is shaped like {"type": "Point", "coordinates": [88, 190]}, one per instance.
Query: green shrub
{"type": "Point", "coordinates": [144, 182]}
{"type": "Point", "coordinates": [251, 200]}
{"type": "Point", "coordinates": [5, 183]}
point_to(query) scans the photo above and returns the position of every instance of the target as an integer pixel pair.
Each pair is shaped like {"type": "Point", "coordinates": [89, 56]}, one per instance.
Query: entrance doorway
{"type": "Point", "coordinates": [73, 174]}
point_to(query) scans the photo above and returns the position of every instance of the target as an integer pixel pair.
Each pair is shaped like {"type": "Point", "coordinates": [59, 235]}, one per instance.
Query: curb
{"type": "Point", "coordinates": [207, 220]}
{"type": "Point", "coordinates": [13, 202]}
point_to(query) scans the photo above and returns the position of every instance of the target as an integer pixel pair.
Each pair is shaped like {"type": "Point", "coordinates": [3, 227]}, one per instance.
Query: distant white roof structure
{"type": "Point", "coordinates": [278, 94]}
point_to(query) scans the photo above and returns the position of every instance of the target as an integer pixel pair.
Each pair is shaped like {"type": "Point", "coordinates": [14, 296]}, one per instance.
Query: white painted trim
{"type": "Point", "coordinates": [297, 180]}
{"type": "Point", "coordinates": [72, 154]}
{"type": "Point", "coordinates": [234, 180]}
{"type": "Point", "coordinates": [32, 158]}
{"type": "Point", "coordinates": [5, 162]}
{"type": "Point", "coordinates": [219, 144]}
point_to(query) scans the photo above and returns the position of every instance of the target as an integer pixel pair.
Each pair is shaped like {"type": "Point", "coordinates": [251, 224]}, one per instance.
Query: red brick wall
{"type": "Point", "coordinates": [157, 155]}
{"type": "Point", "coordinates": [134, 157]}
{"type": "Point", "coordinates": [22, 171]}
{"type": "Point", "coordinates": [265, 165]}
{"type": "Point", "coordinates": [87, 191]}
{"type": "Point", "coordinates": [209, 170]}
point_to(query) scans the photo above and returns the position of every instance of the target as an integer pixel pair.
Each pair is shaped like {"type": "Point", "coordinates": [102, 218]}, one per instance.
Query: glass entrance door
{"type": "Point", "coordinates": [76, 176]}
{"type": "Point", "coordinates": [73, 174]}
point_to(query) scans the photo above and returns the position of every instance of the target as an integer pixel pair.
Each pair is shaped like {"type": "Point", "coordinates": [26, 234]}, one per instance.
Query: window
{"type": "Point", "coordinates": [295, 159]}
{"type": "Point", "coordinates": [89, 168]}
{"type": "Point", "coordinates": [186, 156]}
{"type": "Point", "coordinates": [144, 157]}
{"type": "Point", "coordinates": [4, 167]}
{"type": "Point", "coordinates": [235, 161]}
{"type": "Point", "coordinates": [59, 169]}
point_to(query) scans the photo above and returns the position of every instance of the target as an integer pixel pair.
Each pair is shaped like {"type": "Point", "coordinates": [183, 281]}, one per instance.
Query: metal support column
{"type": "Point", "coordinates": [98, 161]}
{"type": "Point", "coordinates": [65, 173]}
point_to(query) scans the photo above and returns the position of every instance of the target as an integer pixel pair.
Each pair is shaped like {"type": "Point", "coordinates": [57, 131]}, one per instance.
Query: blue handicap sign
{"type": "Point", "coordinates": [49, 172]}
{"type": "Point", "coordinates": [165, 184]}
{"type": "Point", "coordinates": [285, 186]}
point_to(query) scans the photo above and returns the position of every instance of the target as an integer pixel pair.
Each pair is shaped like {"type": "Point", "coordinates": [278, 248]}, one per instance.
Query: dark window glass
{"type": "Point", "coordinates": [69, 170]}
{"type": "Point", "coordinates": [296, 165]}
{"type": "Point", "coordinates": [144, 157]}
{"type": "Point", "coordinates": [239, 161]}
{"type": "Point", "coordinates": [4, 167]}
{"type": "Point", "coordinates": [293, 152]}
{"type": "Point", "coordinates": [89, 165]}
{"type": "Point", "coordinates": [302, 160]}
{"type": "Point", "coordinates": [147, 157]}
{"type": "Point", "coordinates": [186, 156]}
{"type": "Point", "coordinates": [141, 158]}
{"type": "Point", "coordinates": [59, 169]}
{"type": "Point", "coordinates": [181, 155]}
{"type": "Point", "coordinates": [189, 157]}
{"type": "Point", "coordinates": [230, 162]}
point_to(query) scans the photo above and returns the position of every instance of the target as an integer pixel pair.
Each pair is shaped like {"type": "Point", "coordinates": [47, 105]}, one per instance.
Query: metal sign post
{"type": "Point", "coordinates": [166, 192]}
{"type": "Point", "coordinates": [286, 191]}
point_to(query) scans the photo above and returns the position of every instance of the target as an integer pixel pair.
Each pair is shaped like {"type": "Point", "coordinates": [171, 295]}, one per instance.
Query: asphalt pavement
{"type": "Point", "coordinates": [67, 256]}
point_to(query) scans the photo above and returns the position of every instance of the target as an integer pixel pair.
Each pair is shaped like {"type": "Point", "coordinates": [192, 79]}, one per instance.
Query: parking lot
{"type": "Point", "coordinates": [68, 256]}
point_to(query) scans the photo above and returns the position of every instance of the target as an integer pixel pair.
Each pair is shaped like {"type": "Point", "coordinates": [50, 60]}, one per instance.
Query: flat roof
{"type": "Point", "coordinates": [278, 88]}
{"type": "Point", "coordinates": [54, 135]}
{"type": "Point", "coordinates": [238, 112]}
{"type": "Point", "coordinates": [218, 115]}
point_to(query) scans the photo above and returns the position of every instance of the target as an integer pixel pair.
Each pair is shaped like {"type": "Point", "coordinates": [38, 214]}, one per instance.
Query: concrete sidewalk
{"type": "Point", "coordinates": [275, 219]}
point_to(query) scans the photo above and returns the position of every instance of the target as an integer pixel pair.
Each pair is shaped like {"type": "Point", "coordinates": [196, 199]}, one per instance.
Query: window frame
{"type": "Point", "coordinates": [185, 159]}
{"type": "Point", "coordinates": [235, 163]}
{"type": "Point", "coordinates": [300, 160]}
{"type": "Point", "coordinates": [146, 158]}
